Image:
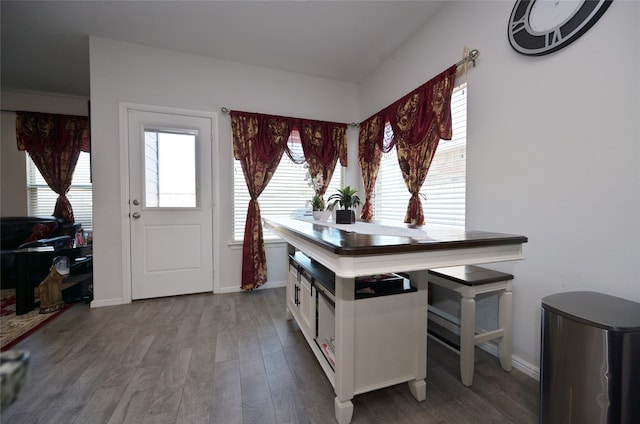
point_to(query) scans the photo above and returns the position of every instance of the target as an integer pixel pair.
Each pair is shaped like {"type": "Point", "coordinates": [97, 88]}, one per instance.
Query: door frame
{"type": "Point", "coordinates": [125, 228]}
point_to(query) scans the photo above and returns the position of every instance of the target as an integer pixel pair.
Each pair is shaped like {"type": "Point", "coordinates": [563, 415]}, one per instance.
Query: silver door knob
{"type": "Point", "coordinates": [136, 215]}
{"type": "Point", "coordinates": [136, 202]}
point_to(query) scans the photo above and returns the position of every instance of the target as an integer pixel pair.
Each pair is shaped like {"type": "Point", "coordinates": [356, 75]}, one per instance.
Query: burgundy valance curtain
{"type": "Point", "coordinates": [370, 150]}
{"type": "Point", "coordinates": [54, 143]}
{"type": "Point", "coordinates": [258, 143]}
{"type": "Point", "coordinates": [418, 120]}
{"type": "Point", "coordinates": [323, 144]}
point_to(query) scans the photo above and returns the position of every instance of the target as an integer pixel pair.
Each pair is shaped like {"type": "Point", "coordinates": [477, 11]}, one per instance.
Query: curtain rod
{"type": "Point", "coordinates": [471, 57]}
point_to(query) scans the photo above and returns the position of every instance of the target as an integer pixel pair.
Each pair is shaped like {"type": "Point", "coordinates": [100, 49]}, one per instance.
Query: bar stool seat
{"type": "Point", "coordinates": [470, 281]}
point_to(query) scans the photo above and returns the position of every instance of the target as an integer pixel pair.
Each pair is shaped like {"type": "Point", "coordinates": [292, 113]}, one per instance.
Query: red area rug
{"type": "Point", "coordinates": [14, 328]}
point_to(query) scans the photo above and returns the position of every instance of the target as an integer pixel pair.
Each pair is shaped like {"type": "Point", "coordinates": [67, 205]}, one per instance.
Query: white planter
{"type": "Point", "coordinates": [321, 215]}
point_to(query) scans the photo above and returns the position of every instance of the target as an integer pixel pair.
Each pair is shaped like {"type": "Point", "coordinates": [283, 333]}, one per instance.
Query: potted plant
{"type": "Point", "coordinates": [318, 210]}
{"type": "Point", "coordinates": [348, 200]}
{"type": "Point", "coordinates": [317, 204]}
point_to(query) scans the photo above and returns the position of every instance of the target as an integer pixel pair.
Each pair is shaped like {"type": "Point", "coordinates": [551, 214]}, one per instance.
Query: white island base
{"type": "Point", "coordinates": [379, 341]}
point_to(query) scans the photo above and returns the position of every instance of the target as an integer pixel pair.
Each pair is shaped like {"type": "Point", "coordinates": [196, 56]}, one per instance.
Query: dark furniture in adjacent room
{"type": "Point", "coordinates": [31, 231]}
{"type": "Point", "coordinates": [37, 258]}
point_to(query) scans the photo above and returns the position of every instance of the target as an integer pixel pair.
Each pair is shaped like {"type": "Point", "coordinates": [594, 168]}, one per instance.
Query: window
{"type": "Point", "coordinates": [286, 192]}
{"type": "Point", "coordinates": [444, 187]}
{"type": "Point", "coordinates": [41, 200]}
{"type": "Point", "coordinates": [170, 169]}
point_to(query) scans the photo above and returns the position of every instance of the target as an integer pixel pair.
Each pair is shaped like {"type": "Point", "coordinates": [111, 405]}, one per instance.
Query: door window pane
{"type": "Point", "coordinates": [170, 169]}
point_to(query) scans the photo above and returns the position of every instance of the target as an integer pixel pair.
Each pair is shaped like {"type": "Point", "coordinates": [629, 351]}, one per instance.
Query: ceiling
{"type": "Point", "coordinates": [45, 44]}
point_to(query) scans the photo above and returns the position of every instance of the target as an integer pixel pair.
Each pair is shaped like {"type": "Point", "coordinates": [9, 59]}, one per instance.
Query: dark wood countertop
{"type": "Point", "coordinates": [346, 243]}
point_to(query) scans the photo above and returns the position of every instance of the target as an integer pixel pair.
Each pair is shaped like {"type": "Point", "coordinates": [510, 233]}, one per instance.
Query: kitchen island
{"type": "Point", "coordinates": [375, 340]}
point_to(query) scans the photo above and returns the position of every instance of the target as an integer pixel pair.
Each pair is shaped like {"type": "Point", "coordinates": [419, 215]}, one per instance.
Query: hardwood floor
{"type": "Point", "coordinates": [230, 358]}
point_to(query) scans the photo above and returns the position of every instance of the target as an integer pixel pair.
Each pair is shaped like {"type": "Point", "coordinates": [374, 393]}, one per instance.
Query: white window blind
{"type": "Point", "coordinates": [287, 191]}
{"type": "Point", "coordinates": [445, 185]}
{"type": "Point", "coordinates": [41, 200]}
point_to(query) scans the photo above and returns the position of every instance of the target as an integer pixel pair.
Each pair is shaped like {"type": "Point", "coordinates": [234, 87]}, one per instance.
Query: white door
{"type": "Point", "coordinates": [170, 205]}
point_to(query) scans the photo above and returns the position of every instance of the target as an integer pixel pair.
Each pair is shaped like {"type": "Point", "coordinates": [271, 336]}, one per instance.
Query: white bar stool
{"type": "Point", "coordinates": [469, 281]}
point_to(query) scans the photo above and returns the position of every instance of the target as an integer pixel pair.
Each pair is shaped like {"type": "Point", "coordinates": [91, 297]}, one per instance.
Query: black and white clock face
{"type": "Point", "coordinates": [538, 27]}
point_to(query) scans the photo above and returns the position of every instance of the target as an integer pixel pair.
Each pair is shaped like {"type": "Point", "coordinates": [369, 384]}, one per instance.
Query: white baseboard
{"type": "Point", "coordinates": [120, 301]}
{"type": "Point", "coordinates": [267, 285]}
{"type": "Point", "coordinates": [227, 290]}
{"type": "Point", "coordinates": [107, 302]}
{"type": "Point", "coordinates": [526, 367]}
{"type": "Point", "coordinates": [274, 284]}
{"type": "Point", "coordinates": [517, 362]}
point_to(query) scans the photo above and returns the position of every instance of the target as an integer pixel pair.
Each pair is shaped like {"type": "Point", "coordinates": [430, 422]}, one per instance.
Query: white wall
{"type": "Point", "coordinates": [553, 148]}
{"type": "Point", "coordinates": [122, 72]}
{"type": "Point", "coordinates": [13, 195]}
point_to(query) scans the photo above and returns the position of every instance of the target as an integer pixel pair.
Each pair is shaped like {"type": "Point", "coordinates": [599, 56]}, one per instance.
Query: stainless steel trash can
{"type": "Point", "coordinates": [589, 359]}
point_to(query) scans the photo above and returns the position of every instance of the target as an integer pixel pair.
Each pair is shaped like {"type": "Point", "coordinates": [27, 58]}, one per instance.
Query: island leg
{"type": "Point", "coordinates": [345, 348]}
{"type": "Point", "coordinates": [343, 410]}
{"type": "Point", "coordinates": [418, 387]}
{"type": "Point", "coordinates": [291, 250]}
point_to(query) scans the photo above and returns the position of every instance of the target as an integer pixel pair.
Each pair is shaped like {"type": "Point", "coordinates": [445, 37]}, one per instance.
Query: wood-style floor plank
{"type": "Point", "coordinates": [231, 359]}
{"type": "Point", "coordinates": [227, 394]}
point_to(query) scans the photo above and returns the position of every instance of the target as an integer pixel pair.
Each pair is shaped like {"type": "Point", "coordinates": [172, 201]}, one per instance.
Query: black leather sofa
{"type": "Point", "coordinates": [31, 231]}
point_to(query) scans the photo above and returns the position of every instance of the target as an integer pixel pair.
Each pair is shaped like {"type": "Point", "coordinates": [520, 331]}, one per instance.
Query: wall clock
{"type": "Point", "coordinates": [539, 27]}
